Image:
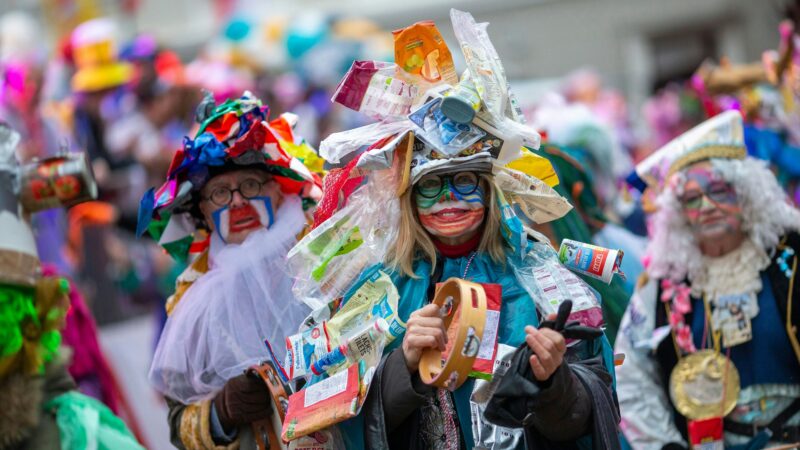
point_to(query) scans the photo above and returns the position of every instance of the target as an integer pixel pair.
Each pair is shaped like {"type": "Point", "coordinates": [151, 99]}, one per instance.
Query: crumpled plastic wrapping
{"type": "Point", "coordinates": [535, 199]}
{"type": "Point", "coordinates": [218, 328]}
{"type": "Point", "coordinates": [338, 146]}
{"type": "Point", "coordinates": [327, 261]}
{"type": "Point", "coordinates": [549, 283]}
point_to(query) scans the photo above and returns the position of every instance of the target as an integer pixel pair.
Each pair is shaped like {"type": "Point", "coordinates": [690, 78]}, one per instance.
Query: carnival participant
{"type": "Point", "coordinates": [450, 227]}
{"type": "Point", "coordinates": [42, 407]}
{"type": "Point", "coordinates": [440, 190]}
{"type": "Point", "coordinates": [711, 331]}
{"type": "Point", "coordinates": [236, 184]}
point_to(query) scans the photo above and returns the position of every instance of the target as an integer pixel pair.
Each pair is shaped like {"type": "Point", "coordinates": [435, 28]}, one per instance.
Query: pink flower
{"type": "Point", "coordinates": [681, 302]}
{"type": "Point", "coordinates": [675, 320]}
{"type": "Point", "coordinates": [684, 338]}
{"type": "Point", "coordinates": [667, 290]}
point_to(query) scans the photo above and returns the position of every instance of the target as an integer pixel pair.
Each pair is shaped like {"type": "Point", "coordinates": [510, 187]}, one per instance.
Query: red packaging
{"type": "Point", "coordinates": [706, 434]}
{"type": "Point", "coordinates": [322, 404]}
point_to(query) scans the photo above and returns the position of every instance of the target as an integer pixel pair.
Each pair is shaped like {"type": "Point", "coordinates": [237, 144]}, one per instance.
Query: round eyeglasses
{"type": "Point", "coordinates": [430, 186]}
{"type": "Point", "coordinates": [248, 189]}
{"type": "Point", "coordinates": [717, 193]}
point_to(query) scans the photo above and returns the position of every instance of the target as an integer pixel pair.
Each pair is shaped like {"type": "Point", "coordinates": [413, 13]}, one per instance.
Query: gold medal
{"type": "Point", "coordinates": [704, 384]}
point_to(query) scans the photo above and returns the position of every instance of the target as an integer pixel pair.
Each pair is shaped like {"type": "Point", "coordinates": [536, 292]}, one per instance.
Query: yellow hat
{"type": "Point", "coordinates": [95, 53]}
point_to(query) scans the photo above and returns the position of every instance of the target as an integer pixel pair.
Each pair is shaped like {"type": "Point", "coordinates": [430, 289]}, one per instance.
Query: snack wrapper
{"type": "Point", "coordinates": [323, 404]}
{"type": "Point", "coordinates": [372, 88]}
{"type": "Point", "coordinates": [591, 260]}
{"type": "Point", "coordinates": [421, 50]}
{"type": "Point", "coordinates": [375, 297]}
{"type": "Point", "coordinates": [304, 348]}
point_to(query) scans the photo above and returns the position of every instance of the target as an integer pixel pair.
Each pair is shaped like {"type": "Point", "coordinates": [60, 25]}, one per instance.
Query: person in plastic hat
{"type": "Point", "coordinates": [714, 311]}
{"type": "Point", "coordinates": [42, 409]}
{"type": "Point", "coordinates": [237, 199]}
{"type": "Point", "coordinates": [441, 189]}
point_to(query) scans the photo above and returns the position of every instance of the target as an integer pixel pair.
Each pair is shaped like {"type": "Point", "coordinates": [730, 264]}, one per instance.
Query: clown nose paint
{"type": "Point", "coordinates": [256, 213]}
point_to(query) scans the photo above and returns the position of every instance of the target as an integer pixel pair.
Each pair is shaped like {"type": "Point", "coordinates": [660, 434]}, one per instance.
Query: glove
{"type": "Point", "coordinates": [570, 330]}
{"type": "Point", "coordinates": [244, 399]}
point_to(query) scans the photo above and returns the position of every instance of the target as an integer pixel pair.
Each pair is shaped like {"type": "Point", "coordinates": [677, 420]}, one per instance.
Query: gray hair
{"type": "Point", "coordinates": [766, 209]}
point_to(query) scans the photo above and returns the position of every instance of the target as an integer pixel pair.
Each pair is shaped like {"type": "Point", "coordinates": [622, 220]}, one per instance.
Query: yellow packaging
{"type": "Point", "coordinates": [420, 50]}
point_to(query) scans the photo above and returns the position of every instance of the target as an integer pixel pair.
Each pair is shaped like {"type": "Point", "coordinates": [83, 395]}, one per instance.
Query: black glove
{"type": "Point", "coordinates": [244, 399]}
{"type": "Point", "coordinates": [571, 330]}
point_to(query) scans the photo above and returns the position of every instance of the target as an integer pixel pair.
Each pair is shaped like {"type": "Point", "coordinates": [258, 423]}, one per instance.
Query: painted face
{"type": "Point", "coordinates": [710, 204]}
{"type": "Point", "coordinates": [450, 205]}
{"type": "Point", "coordinates": [236, 203]}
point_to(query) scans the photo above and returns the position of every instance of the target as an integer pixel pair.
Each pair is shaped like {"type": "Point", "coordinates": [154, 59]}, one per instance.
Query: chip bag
{"type": "Point", "coordinates": [420, 50]}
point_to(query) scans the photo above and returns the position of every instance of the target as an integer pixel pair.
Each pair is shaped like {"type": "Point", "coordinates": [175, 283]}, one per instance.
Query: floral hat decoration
{"type": "Point", "coordinates": [236, 132]}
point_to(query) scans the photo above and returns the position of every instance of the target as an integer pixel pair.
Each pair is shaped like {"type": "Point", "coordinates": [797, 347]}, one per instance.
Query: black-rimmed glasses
{"type": "Point", "coordinates": [430, 186]}
{"type": "Point", "coordinates": [248, 189]}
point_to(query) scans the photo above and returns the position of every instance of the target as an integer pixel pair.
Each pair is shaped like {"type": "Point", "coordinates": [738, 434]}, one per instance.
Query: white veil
{"type": "Point", "coordinates": [218, 328]}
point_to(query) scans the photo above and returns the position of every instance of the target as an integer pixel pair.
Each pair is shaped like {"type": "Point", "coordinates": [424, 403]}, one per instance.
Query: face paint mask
{"type": "Point", "coordinates": [256, 213]}
{"type": "Point", "coordinates": [710, 204]}
{"type": "Point", "coordinates": [451, 214]}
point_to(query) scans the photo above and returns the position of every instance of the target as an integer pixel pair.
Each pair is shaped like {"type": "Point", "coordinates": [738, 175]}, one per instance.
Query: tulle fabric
{"type": "Point", "coordinates": [218, 328]}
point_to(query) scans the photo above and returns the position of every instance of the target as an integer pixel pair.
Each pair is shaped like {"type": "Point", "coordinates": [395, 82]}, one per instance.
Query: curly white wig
{"type": "Point", "coordinates": [766, 211]}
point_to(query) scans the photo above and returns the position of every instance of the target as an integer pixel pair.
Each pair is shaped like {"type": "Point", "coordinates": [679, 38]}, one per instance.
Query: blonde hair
{"type": "Point", "coordinates": [414, 241]}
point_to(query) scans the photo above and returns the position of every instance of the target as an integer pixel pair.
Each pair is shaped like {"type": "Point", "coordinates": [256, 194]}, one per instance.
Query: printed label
{"type": "Point", "coordinates": [326, 389]}
{"type": "Point", "coordinates": [486, 350]}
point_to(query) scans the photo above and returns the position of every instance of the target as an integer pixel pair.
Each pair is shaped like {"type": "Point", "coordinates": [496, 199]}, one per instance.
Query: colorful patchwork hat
{"type": "Point", "coordinates": [234, 133]}
{"type": "Point", "coordinates": [722, 136]}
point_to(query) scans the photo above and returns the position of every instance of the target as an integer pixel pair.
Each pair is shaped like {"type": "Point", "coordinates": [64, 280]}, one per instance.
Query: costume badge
{"type": "Point", "coordinates": [733, 315]}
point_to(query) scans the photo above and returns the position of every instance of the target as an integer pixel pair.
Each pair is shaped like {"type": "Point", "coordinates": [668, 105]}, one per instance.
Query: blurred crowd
{"type": "Point", "coordinates": [128, 102]}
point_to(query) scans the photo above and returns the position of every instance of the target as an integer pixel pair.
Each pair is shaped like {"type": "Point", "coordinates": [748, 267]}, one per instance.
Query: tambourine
{"type": "Point", "coordinates": [60, 181]}
{"type": "Point", "coordinates": [268, 431]}
{"type": "Point", "coordinates": [470, 299]}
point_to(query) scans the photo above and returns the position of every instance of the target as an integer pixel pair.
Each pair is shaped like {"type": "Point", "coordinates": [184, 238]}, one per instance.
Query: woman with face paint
{"type": "Point", "coordinates": [234, 203]}
{"type": "Point", "coordinates": [454, 222]}
{"type": "Point", "coordinates": [450, 226]}
{"type": "Point", "coordinates": [719, 291]}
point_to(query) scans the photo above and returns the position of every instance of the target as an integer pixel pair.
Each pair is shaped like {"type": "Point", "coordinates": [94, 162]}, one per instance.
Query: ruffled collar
{"type": "Point", "coordinates": [737, 272]}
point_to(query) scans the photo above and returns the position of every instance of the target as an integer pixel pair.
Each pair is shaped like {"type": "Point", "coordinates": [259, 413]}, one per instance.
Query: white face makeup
{"type": "Point", "coordinates": [236, 203]}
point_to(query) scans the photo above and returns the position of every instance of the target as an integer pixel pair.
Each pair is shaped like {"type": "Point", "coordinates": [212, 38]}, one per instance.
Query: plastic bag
{"type": "Point", "coordinates": [338, 146]}
{"type": "Point", "coordinates": [538, 201]}
{"type": "Point", "coordinates": [327, 261]}
{"type": "Point", "coordinates": [483, 62]}
{"type": "Point", "coordinates": [549, 283]}
{"type": "Point", "coordinates": [372, 88]}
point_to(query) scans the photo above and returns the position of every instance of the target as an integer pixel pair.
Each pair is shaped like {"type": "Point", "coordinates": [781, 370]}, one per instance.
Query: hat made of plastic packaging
{"type": "Point", "coordinates": [234, 133]}
{"type": "Point", "coordinates": [94, 49]}
{"type": "Point", "coordinates": [424, 126]}
{"type": "Point", "coordinates": [722, 136]}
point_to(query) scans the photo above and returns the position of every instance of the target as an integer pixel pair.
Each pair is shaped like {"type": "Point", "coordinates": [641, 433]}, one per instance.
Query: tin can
{"type": "Point", "coordinates": [60, 181]}
{"type": "Point", "coordinates": [590, 260]}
